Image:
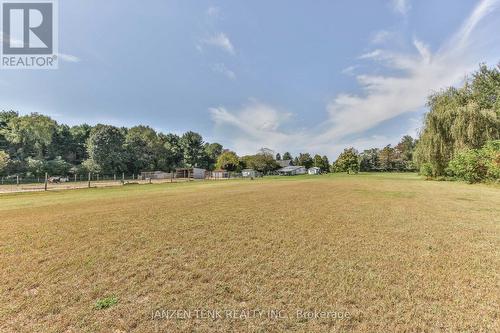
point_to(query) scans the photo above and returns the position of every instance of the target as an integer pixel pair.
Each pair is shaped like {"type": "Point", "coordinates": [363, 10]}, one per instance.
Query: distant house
{"type": "Point", "coordinates": [314, 171]}
{"type": "Point", "coordinates": [292, 171]}
{"type": "Point", "coordinates": [284, 163]}
{"type": "Point", "coordinates": [249, 173]}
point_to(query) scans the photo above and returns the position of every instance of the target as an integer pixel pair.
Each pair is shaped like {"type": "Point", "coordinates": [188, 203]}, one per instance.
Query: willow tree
{"type": "Point", "coordinates": [460, 118]}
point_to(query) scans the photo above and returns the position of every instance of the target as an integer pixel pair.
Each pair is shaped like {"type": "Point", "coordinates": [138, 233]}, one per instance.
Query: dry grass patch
{"type": "Point", "coordinates": [395, 252]}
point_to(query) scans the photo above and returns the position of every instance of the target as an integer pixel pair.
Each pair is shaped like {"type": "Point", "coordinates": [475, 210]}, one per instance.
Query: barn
{"type": "Point", "coordinates": [292, 171]}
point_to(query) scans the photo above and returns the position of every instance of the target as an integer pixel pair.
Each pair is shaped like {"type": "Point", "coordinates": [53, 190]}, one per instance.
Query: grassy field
{"type": "Point", "coordinates": [384, 253]}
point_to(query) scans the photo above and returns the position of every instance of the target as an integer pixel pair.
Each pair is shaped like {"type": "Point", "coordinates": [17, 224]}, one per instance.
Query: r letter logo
{"type": "Point", "coordinates": [29, 34]}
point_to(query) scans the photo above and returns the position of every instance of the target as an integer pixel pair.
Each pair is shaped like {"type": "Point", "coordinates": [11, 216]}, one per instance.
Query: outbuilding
{"type": "Point", "coordinates": [220, 174]}
{"type": "Point", "coordinates": [195, 173]}
{"type": "Point", "coordinates": [249, 173]}
{"type": "Point", "coordinates": [314, 171]}
{"type": "Point", "coordinates": [292, 171]}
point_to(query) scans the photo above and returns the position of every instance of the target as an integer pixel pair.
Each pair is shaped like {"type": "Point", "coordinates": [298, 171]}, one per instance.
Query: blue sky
{"type": "Point", "coordinates": [289, 75]}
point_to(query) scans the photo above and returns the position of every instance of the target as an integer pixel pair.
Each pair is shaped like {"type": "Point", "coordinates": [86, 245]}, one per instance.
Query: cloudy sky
{"type": "Point", "coordinates": [288, 75]}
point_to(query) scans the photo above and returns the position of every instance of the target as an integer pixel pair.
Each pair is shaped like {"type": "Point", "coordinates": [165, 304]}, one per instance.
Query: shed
{"type": "Point", "coordinates": [220, 174]}
{"type": "Point", "coordinates": [249, 173]}
{"type": "Point", "coordinates": [195, 173]}
{"type": "Point", "coordinates": [314, 171]}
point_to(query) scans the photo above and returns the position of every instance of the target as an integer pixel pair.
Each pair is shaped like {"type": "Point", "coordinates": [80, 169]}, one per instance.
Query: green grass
{"type": "Point", "coordinates": [395, 252]}
{"type": "Point", "coordinates": [105, 303]}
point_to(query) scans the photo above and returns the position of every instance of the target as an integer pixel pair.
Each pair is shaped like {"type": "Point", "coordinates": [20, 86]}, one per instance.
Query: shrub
{"type": "Point", "coordinates": [491, 151]}
{"type": "Point", "coordinates": [105, 303]}
{"type": "Point", "coordinates": [426, 170]}
{"type": "Point", "coordinates": [468, 165]}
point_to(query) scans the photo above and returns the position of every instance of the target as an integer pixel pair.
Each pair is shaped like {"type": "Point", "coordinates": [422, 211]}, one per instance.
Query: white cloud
{"type": "Point", "coordinates": [381, 36]}
{"type": "Point", "coordinates": [213, 11]}
{"type": "Point", "coordinates": [256, 124]}
{"type": "Point", "coordinates": [222, 41]}
{"type": "Point", "coordinates": [401, 6]}
{"type": "Point", "coordinates": [221, 68]}
{"type": "Point", "coordinates": [349, 70]}
{"type": "Point", "coordinates": [412, 77]}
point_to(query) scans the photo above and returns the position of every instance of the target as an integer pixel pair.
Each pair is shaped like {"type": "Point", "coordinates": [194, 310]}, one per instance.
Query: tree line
{"type": "Point", "coordinates": [266, 162]}
{"type": "Point", "coordinates": [32, 145]}
{"type": "Point", "coordinates": [460, 138]}
{"type": "Point", "coordinates": [387, 159]}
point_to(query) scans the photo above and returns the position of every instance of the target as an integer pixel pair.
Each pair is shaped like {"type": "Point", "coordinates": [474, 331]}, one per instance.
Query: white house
{"type": "Point", "coordinates": [314, 171]}
{"type": "Point", "coordinates": [292, 171]}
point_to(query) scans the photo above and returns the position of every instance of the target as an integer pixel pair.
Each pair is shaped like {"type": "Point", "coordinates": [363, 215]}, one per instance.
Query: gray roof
{"type": "Point", "coordinates": [290, 168]}
{"type": "Point", "coordinates": [284, 163]}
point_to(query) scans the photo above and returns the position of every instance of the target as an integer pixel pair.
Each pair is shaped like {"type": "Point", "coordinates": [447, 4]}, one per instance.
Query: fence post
{"type": "Point", "coordinates": [17, 180]}
{"type": "Point", "coordinates": [46, 180]}
{"type": "Point", "coordinates": [123, 176]}
{"type": "Point", "coordinates": [114, 177]}
{"type": "Point", "coordinates": [89, 179]}
{"type": "Point", "coordinates": [75, 177]}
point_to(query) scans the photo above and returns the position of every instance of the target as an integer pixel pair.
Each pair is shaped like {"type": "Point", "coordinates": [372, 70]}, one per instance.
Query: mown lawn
{"type": "Point", "coordinates": [386, 252]}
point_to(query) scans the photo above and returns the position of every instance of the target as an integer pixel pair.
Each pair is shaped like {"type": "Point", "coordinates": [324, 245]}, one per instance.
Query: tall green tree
{"type": "Point", "coordinates": [193, 149]}
{"type": "Point", "coordinates": [326, 164]}
{"type": "Point", "coordinates": [105, 148]}
{"type": "Point", "coordinates": [5, 118]}
{"type": "Point", "coordinates": [369, 160]}
{"type": "Point", "coordinates": [142, 149]}
{"type": "Point", "coordinates": [387, 158]}
{"type": "Point", "coordinates": [212, 153]}
{"type": "Point", "coordinates": [31, 135]}
{"type": "Point", "coordinates": [264, 163]}
{"type": "Point", "coordinates": [79, 137]}
{"type": "Point", "coordinates": [228, 161]}
{"type": "Point", "coordinates": [348, 161]}
{"type": "Point", "coordinates": [322, 163]}
{"type": "Point", "coordinates": [305, 160]}
{"type": "Point", "coordinates": [460, 118]}
{"type": "Point", "coordinates": [173, 155]}
{"type": "Point", "coordinates": [287, 156]}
